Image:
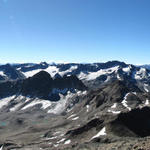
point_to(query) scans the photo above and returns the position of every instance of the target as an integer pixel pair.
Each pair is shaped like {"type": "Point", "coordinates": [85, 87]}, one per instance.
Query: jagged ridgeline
{"type": "Point", "coordinates": [74, 106]}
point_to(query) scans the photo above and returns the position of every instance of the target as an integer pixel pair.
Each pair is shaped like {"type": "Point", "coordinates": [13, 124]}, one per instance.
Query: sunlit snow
{"type": "Point", "coordinates": [114, 112]}
{"type": "Point", "coordinates": [146, 88]}
{"type": "Point", "coordinates": [5, 101]}
{"type": "Point", "coordinates": [2, 73]}
{"type": "Point", "coordinates": [75, 118]}
{"type": "Point", "coordinates": [67, 142]}
{"type": "Point", "coordinates": [94, 75]}
{"type": "Point", "coordinates": [147, 102]}
{"type": "Point", "coordinates": [45, 104]}
{"type": "Point", "coordinates": [101, 133]}
{"type": "Point", "coordinates": [114, 106]}
{"type": "Point", "coordinates": [124, 102]}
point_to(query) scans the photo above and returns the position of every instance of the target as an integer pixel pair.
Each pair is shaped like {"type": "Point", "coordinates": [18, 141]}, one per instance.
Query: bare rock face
{"type": "Point", "coordinates": [136, 121]}
{"type": "Point", "coordinates": [40, 85]}
{"type": "Point", "coordinates": [111, 113]}
{"type": "Point", "coordinates": [91, 124]}
{"type": "Point", "coordinates": [10, 73]}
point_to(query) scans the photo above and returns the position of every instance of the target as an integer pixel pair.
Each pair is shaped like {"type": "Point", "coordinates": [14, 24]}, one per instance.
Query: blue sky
{"type": "Point", "coordinates": [75, 31]}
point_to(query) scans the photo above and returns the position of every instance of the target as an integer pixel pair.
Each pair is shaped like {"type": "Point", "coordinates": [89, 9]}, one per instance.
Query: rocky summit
{"type": "Point", "coordinates": [99, 106]}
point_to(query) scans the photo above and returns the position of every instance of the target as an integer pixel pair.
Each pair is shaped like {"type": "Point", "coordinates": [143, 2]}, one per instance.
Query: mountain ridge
{"type": "Point", "coordinates": [75, 106]}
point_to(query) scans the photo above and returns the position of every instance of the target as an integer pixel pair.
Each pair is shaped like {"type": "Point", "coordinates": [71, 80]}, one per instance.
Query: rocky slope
{"type": "Point", "coordinates": [41, 91]}
{"type": "Point", "coordinates": [92, 75]}
{"type": "Point", "coordinates": [54, 110]}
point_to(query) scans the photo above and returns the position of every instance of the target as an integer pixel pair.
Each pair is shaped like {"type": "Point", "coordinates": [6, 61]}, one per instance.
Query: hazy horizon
{"type": "Point", "coordinates": [74, 31]}
{"type": "Point", "coordinates": [61, 62]}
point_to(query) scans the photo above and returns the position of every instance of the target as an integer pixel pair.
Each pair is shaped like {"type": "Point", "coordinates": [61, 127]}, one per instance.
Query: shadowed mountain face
{"type": "Point", "coordinates": [92, 75]}
{"type": "Point", "coordinates": [112, 93]}
{"type": "Point", "coordinates": [8, 72]}
{"type": "Point", "coordinates": [40, 85]}
{"type": "Point", "coordinates": [136, 120]}
{"type": "Point", "coordinates": [51, 108]}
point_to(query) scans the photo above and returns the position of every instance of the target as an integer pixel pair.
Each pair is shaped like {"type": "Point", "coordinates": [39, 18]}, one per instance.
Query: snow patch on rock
{"type": "Point", "coordinates": [114, 112]}
{"type": "Point", "coordinates": [114, 106]}
{"type": "Point", "coordinates": [76, 118]}
{"type": "Point", "coordinates": [94, 75]}
{"type": "Point", "coordinates": [146, 88]}
{"type": "Point", "coordinates": [101, 133]}
{"type": "Point", "coordinates": [124, 102]}
{"type": "Point", "coordinates": [45, 104]}
{"type": "Point", "coordinates": [147, 102]}
{"type": "Point", "coordinates": [5, 101]}
{"type": "Point", "coordinates": [67, 142]}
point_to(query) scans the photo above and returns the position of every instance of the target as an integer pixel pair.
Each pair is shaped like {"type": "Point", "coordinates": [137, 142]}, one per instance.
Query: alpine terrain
{"type": "Point", "coordinates": [99, 106]}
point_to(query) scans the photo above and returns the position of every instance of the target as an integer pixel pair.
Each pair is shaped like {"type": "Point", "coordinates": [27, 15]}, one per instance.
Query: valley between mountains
{"type": "Point", "coordinates": [99, 106]}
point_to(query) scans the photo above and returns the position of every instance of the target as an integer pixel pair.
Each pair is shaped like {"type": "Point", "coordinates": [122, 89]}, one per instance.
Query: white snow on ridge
{"type": "Point", "coordinates": [62, 140]}
{"type": "Point", "coordinates": [52, 70]}
{"type": "Point", "coordinates": [108, 79]}
{"type": "Point", "coordinates": [69, 70]}
{"type": "Point", "coordinates": [124, 102]}
{"type": "Point", "coordinates": [31, 73]}
{"type": "Point", "coordinates": [16, 107]}
{"type": "Point", "coordinates": [140, 74]}
{"type": "Point", "coordinates": [5, 101]}
{"type": "Point", "coordinates": [134, 93]}
{"type": "Point", "coordinates": [82, 76]}
{"type": "Point", "coordinates": [22, 102]}
{"type": "Point", "coordinates": [101, 133]}
{"type": "Point", "coordinates": [2, 147]}
{"type": "Point", "coordinates": [114, 106]}
{"type": "Point", "coordinates": [59, 106]}
{"type": "Point", "coordinates": [73, 115]}
{"type": "Point", "coordinates": [2, 73]}
{"type": "Point", "coordinates": [56, 145]}
{"type": "Point", "coordinates": [76, 118]}
{"type": "Point", "coordinates": [114, 112]}
{"type": "Point", "coordinates": [51, 138]}
{"type": "Point", "coordinates": [67, 142]}
{"type": "Point", "coordinates": [147, 102]}
{"type": "Point", "coordinates": [145, 88]}
{"type": "Point", "coordinates": [45, 104]}
{"type": "Point", "coordinates": [118, 77]}
{"type": "Point", "coordinates": [94, 75]}
{"type": "Point", "coordinates": [127, 69]}
{"type": "Point", "coordinates": [87, 108]}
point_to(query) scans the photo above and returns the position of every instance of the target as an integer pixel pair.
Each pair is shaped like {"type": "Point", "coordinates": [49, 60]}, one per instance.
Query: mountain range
{"type": "Point", "coordinates": [74, 106]}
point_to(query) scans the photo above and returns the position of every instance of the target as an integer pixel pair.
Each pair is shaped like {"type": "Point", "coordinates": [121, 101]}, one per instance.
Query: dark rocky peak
{"type": "Point", "coordinates": [43, 65]}
{"type": "Point", "coordinates": [41, 76]}
{"type": "Point", "coordinates": [39, 84]}
{"type": "Point", "coordinates": [136, 122]}
{"type": "Point", "coordinates": [11, 73]}
{"type": "Point", "coordinates": [116, 87]}
{"type": "Point", "coordinates": [119, 88]}
{"type": "Point", "coordinates": [111, 93]}
{"type": "Point", "coordinates": [122, 85]}
{"type": "Point", "coordinates": [57, 75]}
{"type": "Point", "coordinates": [70, 81]}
